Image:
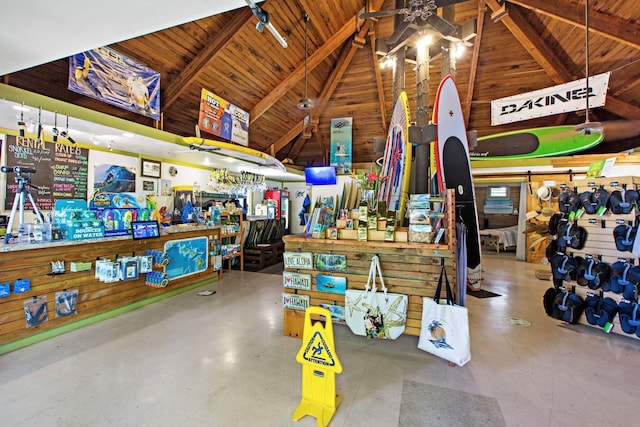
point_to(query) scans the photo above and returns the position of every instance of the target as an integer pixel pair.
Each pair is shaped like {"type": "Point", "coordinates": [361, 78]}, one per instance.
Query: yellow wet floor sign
{"type": "Point", "coordinates": [320, 365]}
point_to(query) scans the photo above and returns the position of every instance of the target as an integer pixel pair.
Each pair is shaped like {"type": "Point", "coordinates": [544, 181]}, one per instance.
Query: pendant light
{"type": "Point", "coordinates": [306, 103]}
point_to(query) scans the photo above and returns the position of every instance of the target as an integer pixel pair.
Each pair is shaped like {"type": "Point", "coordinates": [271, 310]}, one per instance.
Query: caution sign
{"type": "Point", "coordinates": [320, 365]}
{"type": "Point", "coordinates": [317, 351]}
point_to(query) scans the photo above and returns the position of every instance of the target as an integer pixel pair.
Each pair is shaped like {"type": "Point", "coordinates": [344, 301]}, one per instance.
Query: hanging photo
{"type": "Point", "coordinates": [337, 312]}
{"type": "Point", "coordinates": [35, 310]}
{"type": "Point", "coordinates": [331, 262]}
{"type": "Point", "coordinates": [333, 284]}
{"type": "Point", "coordinates": [66, 303]}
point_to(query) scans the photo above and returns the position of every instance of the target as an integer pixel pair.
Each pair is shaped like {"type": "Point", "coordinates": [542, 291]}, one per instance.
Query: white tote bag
{"type": "Point", "coordinates": [374, 314]}
{"type": "Point", "coordinates": [444, 328]}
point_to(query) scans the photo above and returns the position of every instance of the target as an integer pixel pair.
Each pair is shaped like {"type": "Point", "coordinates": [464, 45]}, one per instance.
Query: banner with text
{"type": "Point", "coordinates": [549, 101]}
{"type": "Point", "coordinates": [223, 119]}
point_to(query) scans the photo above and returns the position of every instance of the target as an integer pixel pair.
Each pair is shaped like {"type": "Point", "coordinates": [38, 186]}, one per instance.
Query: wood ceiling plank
{"type": "Point", "coordinates": [542, 53]}
{"type": "Point", "coordinates": [379, 86]}
{"type": "Point", "coordinates": [205, 57]}
{"type": "Point", "coordinates": [608, 25]}
{"type": "Point", "coordinates": [316, 58]}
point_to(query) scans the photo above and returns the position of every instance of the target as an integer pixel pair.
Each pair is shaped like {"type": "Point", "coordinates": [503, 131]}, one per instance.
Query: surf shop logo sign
{"type": "Point", "coordinates": [549, 101]}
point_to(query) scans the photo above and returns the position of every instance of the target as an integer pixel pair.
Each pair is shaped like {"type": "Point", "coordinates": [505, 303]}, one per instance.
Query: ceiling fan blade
{"type": "Point", "coordinates": [440, 25]}
{"type": "Point", "coordinates": [616, 130]}
{"type": "Point", "coordinates": [381, 13]}
{"type": "Point", "coordinates": [398, 33]}
{"type": "Point", "coordinates": [443, 3]}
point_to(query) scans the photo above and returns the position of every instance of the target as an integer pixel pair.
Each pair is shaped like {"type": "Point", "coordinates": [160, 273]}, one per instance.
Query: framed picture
{"type": "Point", "coordinates": [150, 168]}
{"type": "Point", "coordinates": [148, 186]}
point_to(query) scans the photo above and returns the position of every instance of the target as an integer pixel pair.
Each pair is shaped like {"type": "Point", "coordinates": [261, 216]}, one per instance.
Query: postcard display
{"type": "Point", "coordinates": [319, 271]}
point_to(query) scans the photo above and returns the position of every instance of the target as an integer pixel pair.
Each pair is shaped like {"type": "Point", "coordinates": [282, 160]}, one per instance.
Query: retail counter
{"type": "Point", "coordinates": [32, 261]}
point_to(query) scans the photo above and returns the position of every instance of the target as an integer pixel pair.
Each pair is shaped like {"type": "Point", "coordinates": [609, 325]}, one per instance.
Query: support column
{"type": "Point", "coordinates": [421, 163]}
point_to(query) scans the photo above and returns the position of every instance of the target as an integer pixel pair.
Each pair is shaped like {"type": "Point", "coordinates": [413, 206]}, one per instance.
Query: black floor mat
{"type": "Point", "coordinates": [482, 293]}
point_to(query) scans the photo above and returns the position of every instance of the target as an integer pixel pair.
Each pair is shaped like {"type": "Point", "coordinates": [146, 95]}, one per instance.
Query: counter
{"type": "Point", "coordinates": [33, 261]}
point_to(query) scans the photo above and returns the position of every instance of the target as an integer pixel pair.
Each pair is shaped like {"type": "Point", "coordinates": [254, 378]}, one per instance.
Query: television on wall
{"type": "Point", "coordinates": [320, 175]}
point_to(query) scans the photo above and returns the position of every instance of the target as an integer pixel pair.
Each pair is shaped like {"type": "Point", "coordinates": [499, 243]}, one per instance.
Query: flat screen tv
{"type": "Point", "coordinates": [144, 230]}
{"type": "Point", "coordinates": [320, 175]}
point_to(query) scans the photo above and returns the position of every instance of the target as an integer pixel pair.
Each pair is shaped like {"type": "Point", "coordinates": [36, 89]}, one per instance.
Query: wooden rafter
{"type": "Point", "coordinates": [315, 59]}
{"type": "Point", "coordinates": [379, 86]}
{"type": "Point", "coordinates": [474, 61]}
{"type": "Point", "coordinates": [206, 56]}
{"type": "Point", "coordinates": [330, 85]}
{"type": "Point", "coordinates": [517, 24]}
{"type": "Point", "coordinates": [610, 26]}
{"type": "Point", "coordinates": [342, 64]}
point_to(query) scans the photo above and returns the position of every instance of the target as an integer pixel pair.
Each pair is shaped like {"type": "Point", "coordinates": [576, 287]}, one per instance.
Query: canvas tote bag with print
{"type": "Point", "coordinates": [445, 327]}
{"type": "Point", "coordinates": [375, 314]}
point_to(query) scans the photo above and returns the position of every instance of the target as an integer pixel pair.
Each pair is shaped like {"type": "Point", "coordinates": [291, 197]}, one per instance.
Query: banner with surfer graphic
{"type": "Point", "coordinates": [116, 79]}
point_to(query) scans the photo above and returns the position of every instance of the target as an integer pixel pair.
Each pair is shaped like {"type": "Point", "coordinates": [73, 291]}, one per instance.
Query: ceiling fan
{"type": "Point", "coordinates": [613, 130]}
{"type": "Point", "coordinates": [264, 20]}
{"type": "Point", "coordinates": [417, 13]}
{"type": "Point", "coordinates": [306, 103]}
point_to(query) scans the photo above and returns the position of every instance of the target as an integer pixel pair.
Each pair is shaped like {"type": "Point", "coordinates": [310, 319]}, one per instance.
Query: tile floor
{"type": "Point", "coordinates": [222, 360]}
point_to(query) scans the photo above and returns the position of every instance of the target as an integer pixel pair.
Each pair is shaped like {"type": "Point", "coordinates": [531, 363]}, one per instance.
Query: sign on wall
{"type": "Point", "coordinates": [341, 144]}
{"type": "Point", "coordinates": [116, 79]}
{"type": "Point", "coordinates": [61, 171]}
{"type": "Point", "coordinates": [549, 101]}
{"type": "Point", "coordinates": [223, 119]}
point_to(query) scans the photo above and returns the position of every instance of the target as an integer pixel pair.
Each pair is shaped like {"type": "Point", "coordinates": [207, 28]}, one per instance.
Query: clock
{"type": "Point", "coordinates": [173, 171]}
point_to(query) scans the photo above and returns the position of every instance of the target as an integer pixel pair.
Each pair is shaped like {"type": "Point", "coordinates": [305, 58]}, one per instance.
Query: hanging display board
{"type": "Point", "coordinates": [61, 171]}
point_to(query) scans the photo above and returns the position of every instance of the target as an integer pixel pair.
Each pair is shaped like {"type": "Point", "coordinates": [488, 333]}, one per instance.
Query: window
{"type": "Point", "coordinates": [498, 192]}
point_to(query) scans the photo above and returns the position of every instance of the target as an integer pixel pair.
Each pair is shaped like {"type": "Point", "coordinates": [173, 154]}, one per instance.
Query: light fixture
{"type": "Point", "coordinates": [424, 41]}
{"type": "Point", "coordinates": [65, 133]}
{"type": "Point", "coordinates": [306, 103]}
{"type": "Point", "coordinates": [127, 134]}
{"type": "Point", "coordinates": [55, 127]}
{"type": "Point", "coordinates": [21, 123]}
{"type": "Point", "coordinates": [21, 108]}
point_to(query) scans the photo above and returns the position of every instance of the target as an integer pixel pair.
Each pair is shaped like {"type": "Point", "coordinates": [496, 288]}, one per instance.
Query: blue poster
{"type": "Point", "coordinates": [186, 257]}
{"type": "Point", "coordinates": [341, 142]}
{"type": "Point", "coordinates": [116, 79]}
{"type": "Point", "coordinates": [333, 284]}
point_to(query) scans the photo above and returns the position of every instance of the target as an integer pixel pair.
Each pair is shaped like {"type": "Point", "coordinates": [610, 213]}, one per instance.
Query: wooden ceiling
{"type": "Point", "coordinates": [536, 44]}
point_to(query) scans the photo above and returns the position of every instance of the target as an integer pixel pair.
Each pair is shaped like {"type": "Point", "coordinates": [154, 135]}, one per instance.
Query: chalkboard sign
{"type": "Point", "coordinates": [61, 171]}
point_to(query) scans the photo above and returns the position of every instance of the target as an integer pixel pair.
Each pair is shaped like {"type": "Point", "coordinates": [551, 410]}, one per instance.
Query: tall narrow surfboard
{"type": "Point", "coordinates": [454, 170]}
{"type": "Point", "coordinates": [536, 142]}
{"type": "Point", "coordinates": [396, 164]}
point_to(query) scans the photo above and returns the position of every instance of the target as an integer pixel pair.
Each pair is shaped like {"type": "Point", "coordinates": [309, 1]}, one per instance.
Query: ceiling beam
{"type": "Point", "coordinates": [330, 85]}
{"type": "Point", "coordinates": [205, 57]}
{"type": "Point", "coordinates": [610, 26]}
{"type": "Point", "coordinates": [379, 86]}
{"type": "Point", "coordinates": [315, 59]}
{"type": "Point", "coordinates": [517, 24]}
{"type": "Point", "coordinates": [482, 9]}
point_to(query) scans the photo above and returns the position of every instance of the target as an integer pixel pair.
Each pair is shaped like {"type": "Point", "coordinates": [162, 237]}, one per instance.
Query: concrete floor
{"type": "Point", "coordinates": [222, 360]}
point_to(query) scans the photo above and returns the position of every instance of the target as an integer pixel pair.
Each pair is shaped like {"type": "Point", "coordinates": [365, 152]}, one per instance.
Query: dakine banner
{"type": "Point", "coordinates": [549, 101]}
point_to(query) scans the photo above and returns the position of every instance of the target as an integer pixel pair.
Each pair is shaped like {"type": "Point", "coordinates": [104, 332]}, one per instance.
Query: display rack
{"type": "Point", "coordinates": [600, 242]}
{"type": "Point", "coordinates": [408, 268]}
{"type": "Point", "coordinates": [231, 238]}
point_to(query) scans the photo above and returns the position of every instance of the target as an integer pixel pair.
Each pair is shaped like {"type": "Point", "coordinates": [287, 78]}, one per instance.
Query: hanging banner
{"type": "Point", "coordinates": [223, 119]}
{"type": "Point", "coordinates": [549, 101]}
{"type": "Point", "coordinates": [341, 140]}
{"type": "Point", "coordinates": [116, 79]}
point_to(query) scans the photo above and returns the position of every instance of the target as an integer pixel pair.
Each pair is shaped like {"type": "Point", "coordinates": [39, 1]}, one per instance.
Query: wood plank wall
{"type": "Point", "coordinates": [94, 297]}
